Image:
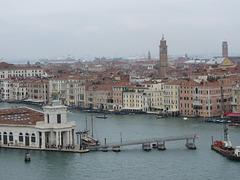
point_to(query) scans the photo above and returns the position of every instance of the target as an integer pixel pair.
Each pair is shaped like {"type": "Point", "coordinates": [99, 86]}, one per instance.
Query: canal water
{"type": "Point", "coordinates": [132, 163]}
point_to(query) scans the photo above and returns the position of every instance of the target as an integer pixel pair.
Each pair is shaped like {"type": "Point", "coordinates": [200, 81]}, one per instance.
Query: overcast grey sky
{"type": "Point", "coordinates": [118, 28]}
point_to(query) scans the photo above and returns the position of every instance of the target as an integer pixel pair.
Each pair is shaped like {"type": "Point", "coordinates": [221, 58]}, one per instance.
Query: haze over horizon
{"type": "Point", "coordinates": [38, 29]}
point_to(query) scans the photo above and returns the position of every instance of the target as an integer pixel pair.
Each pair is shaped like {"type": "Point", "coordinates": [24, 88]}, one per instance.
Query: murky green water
{"type": "Point", "coordinates": [132, 163]}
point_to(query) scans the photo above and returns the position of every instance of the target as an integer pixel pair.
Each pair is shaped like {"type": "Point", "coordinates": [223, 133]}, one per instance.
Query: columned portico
{"type": "Point", "coordinates": [43, 141]}
{"type": "Point", "coordinates": [70, 134]}
{"type": "Point", "coordinates": [51, 138]}
{"type": "Point", "coordinates": [60, 139]}
{"type": "Point", "coordinates": [73, 136]}
{"type": "Point", "coordinates": [57, 140]}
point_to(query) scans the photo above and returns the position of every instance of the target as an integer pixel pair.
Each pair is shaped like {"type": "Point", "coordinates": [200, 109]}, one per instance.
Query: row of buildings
{"type": "Point", "coordinates": [204, 96]}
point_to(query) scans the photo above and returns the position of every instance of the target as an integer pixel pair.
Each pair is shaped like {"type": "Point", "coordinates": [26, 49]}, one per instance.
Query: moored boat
{"type": "Point", "coordinates": [225, 147]}
{"type": "Point", "coordinates": [161, 147]}
{"type": "Point", "coordinates": [121, 113]}
{"type": "Point", "coordinates": [233, 124]}
{"type": "Point", "coordinates": [146, 147]}
{"type": "Point", "coordinates": [102, 117]}
{"type": "Point", "coordinates": [89, 141]}
{"type": "Point", "coordinates": [116, 149]}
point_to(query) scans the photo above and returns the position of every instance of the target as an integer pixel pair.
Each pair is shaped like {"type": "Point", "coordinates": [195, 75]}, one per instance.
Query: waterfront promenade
{"type": "Point", "coordinates": [76, 149]}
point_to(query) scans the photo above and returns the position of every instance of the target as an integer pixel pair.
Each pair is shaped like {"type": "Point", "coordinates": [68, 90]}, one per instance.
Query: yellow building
{"type": "Point", "coordinates": [171, 97]}
{"type": "Point", "coordinates": [222, 62]}
{"type": "Point", "coordinates": [136, 99]}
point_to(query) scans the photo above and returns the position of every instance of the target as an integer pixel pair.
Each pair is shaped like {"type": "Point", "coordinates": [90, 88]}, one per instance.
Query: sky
{"type": "Point", "coordinates": [35, 29]}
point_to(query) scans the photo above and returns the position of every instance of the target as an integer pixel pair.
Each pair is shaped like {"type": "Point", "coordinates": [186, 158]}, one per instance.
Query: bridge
{"type": "Point", "coordinates": [162, 141]}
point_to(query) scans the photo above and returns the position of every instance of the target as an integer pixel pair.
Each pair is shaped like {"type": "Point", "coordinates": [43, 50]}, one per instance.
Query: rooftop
{"type": "Point", "coordinates": [20, 116]}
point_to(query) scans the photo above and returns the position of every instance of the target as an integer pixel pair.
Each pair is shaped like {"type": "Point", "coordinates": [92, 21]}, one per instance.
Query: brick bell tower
{"type": "Point", "coordinates": [163, 63]}
{"type": "Point", "coordinates": [224, 49]}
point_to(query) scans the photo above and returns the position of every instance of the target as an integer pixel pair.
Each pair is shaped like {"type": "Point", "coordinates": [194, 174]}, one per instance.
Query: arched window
{"type": "Point", "coordinates": [33, 139]}
{"type": "Point", "coordinates": [10, 136]}
{"type": "Point", "coordinates": [20, 137]}
{"type": "Point", "coordinates": [196, 90]}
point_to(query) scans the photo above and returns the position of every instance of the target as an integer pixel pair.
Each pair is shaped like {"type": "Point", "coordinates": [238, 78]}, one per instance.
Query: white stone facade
{"type": "Point", "coordinates": [54, 131]}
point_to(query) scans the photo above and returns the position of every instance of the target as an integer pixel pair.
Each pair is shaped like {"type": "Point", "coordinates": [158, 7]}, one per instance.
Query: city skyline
{"type": "Point", "coordinates": [33, 30]}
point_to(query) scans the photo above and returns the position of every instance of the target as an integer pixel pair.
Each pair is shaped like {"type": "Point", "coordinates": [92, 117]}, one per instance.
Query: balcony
{"type": "Point", "coordinates": [197, 103]}
{"type": "Point", "coordinates": [234, 103]}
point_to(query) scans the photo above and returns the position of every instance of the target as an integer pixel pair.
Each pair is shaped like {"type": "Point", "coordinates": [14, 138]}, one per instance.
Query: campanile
{"type": "Point", "coordinates": [163, 57]}
{"type": "Point", "coordinates": [224, 49]}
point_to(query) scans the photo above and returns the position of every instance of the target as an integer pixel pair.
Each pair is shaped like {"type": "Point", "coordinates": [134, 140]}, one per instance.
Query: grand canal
{"type": "Point", "coordinates": [177, 162]}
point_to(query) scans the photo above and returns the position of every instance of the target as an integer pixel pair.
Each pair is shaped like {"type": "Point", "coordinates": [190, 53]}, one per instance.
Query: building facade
{"type": "Point", "coordinates": [10, 70]}
{"type": "Point", "coordinates": [29, 127]}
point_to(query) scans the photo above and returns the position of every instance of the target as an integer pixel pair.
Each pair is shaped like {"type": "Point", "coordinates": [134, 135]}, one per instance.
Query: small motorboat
{"type": "Point", "coordinates": [102, 117]}
{"type": "Point", "coordinates": [159, 117]}
{"type": "Point", "coordinates": [105, 149]}
{"type": "Point", "coordinates": [185, 118]}
{"type": "Point", "coordinates": [161, 147]}
{"type": "Point", "coordinates": [27, 157]}
{"type": "Point", "coordinates": [146, 147]}
{"type": "Point", "coordinates": [116, 149]}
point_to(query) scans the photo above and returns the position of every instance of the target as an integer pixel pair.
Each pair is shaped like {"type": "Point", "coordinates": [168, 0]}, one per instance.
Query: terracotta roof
{"type": "Point", "coordinates": [20, 116]}
{"type": "Point", "coordinates": [190, 83]}
{"type": "Point", "coordinates": [6, 66]}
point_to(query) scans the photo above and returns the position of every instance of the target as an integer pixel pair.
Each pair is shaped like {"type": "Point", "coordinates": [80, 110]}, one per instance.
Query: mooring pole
{"type": "Point", "coordinates": [80, 141]}
{"type": "Point", "coordinates": [121, 137]}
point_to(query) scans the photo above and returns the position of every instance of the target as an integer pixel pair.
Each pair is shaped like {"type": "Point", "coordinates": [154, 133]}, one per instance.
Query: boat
{"type": "Point", "coordinates": [225, 147]}
{"type": "Point", "coordinates": [121, 113]}
{"type": "Point", "coordinates": [102, 117]}
{"type": "Point", "coordinates": [185, 118]}
{"type": "Point", "coordinates": [105, 149]}
{"type": "Point", "coordinates": [191, 146]}
{"type": "Point", "coordinates": [159, 117]}
{"type": "Point", "coordinates": [233, 124]}
{"type": "Point", "coordinates": [146, 147]}
{"type": "Point", "coordinates": [27, 157]}
{"type": "Point", "coordinates": [89, 141]}
{"type": "Point", "coordinates": [161, 147]}
{"type": "Point", "coordinates": [116, 149]}
{"type": "Point", "coordinates": [218, 121]}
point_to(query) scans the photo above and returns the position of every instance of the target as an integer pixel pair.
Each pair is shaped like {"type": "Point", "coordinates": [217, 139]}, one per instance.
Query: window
{"type": "Point", "coordinates": [33, 139]}
{"type": "Point", "coordinates": [47, 118]}
{"type": "Point", "coordinates": [59, 118]}
{"type": "Point", "coordinates": [0, 136]}
{"type": "Point", "coordinates": [20, 137]}
{"type": "Point", "coordinates": [10, 136]}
